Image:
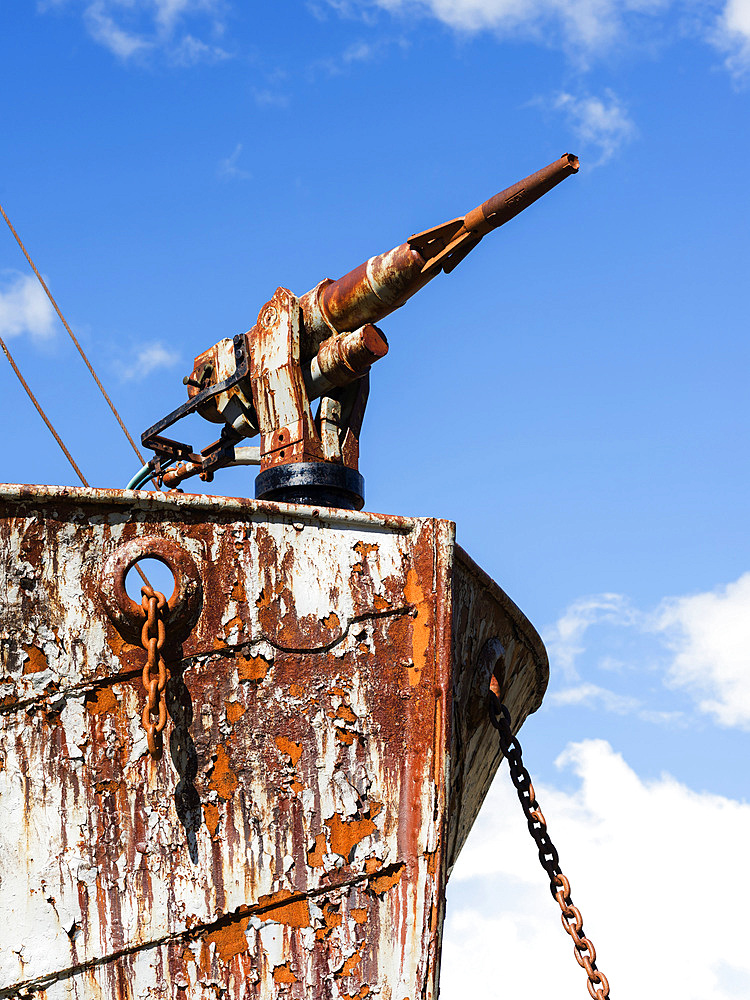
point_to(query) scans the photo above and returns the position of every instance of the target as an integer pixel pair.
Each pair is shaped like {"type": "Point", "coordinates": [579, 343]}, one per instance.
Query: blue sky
{"type": "Point", "coordinates": [573, 395]}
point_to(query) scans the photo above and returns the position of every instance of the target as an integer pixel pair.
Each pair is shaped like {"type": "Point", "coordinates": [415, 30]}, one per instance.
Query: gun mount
{"type": "Point", "coordinates": [319, 346]}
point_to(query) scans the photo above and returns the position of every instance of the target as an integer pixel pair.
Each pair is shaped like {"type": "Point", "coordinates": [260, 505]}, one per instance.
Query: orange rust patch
{"type": "Point", "coordinates": [351, 963]}
{"type": "Point", "coordinates": [344, 737]}
{"type": "Point", "coordinates": [346, 834]}
{"type": "Point", "coordinates": [382, 883]}
{"type": "Point", "coordinates": [252, 668]}
{"type": "Point", "coordinates": [380, 603]}
{"type": "Point", "coordinates": [297, 786]}
{"type": "Point", "coordinates": [371, 865]}
{"type": "Point", "coordinates": [235, 710]}
{"type": "Point", "coordinates": [230, 940]}
{"type": "Point", "coordinates": [283, 974]}
{"type": "Point", "coordinates": [294, 750]}
{"type": "Point", "coordinates": [223, 779]}
{"type": "Point", "coordinates": [37, 661]}
{"type": "Point", "coordinates": [332, 917]}
{"type": "Point", "coordinates": [233, 623]}
{"type": "Point", "coordinates": [101, 701]}
{"type": "Point", "coordinates": [420, 629]}
{"type": "Point", "coordinates": [363, 993]}
{"type": "Point", "coordinates": [238, 591]}
{"type": "Point", "coordinates": [294, 914]}
{"type": "Point", "coordinates": [211, 816]}
{"type": "Point", "coordinates": [359, 914]}
{"type": "Point", "coordinates": [315, 856]}
{"type": "Point", "coordinates": [363, 549]}
{"type": "Point", "coordinates": [332, 621]}
{"type": "Point", "coordinates": [296, 691]}
{"type": "Point", "coordinates": [345, 713]}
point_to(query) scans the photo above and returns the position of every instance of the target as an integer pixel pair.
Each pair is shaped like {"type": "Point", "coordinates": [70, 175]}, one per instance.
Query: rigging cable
{"type": "Point", "coordinates": [54, 433]}
{"type": "Point", "coordinates": [73, 338]}
{"type": "Point", "coordinates": [42, 414]}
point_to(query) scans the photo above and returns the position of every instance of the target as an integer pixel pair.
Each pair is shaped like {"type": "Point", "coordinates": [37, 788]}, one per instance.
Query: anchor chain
{"type": "Point", "coordinates": [572, 921]}
{"type": "Point", "coordinates": [153, 638]}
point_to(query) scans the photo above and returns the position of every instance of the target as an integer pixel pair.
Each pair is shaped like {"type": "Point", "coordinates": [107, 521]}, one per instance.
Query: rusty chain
{"type": "Point", "coordinates": [572, 921]}
{"type": "Point", "coordinates": [153, 637]}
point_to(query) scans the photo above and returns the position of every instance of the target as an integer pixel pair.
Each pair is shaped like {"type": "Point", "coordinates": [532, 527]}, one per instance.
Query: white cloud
{"type": "Point", "coordinates": [148, 359]}
{"type": "Point", "coordinates": [24, 307]}
{"type": "Point", "coordinates": [601, 122]}
{"type": "Point", "coordinates": [733, 36]}
{"type": "Point", "coordinates": [653, 866]}
{"type": "Point", "coordinates": [131, 28]}
{"type": "Point", "coordinates": [229, 168]}
{"type": "Point", "coordinates": [710, 636]}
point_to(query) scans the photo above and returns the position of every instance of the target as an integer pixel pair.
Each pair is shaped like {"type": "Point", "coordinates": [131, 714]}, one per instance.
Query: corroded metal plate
{"type": "Point", "coordinates": [327, 748]}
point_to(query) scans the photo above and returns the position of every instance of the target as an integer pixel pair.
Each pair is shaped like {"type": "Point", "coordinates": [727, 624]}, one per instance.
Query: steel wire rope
{"type": "Point", "coordinates": [75, 341]}
{"type": "Point", "coordinates": [41, 412]}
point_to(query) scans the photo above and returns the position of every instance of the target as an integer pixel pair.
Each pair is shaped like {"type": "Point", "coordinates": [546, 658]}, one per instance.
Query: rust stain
{"type": "Point", "coordinates": [361, 995]}
{"type": "Point", "coordinates": [381, 884]}
{"type": "Point", "coordinates": [332, 621]}
{"type": "Point", "coordinates": [211, 816]}
{"type": "Point", "coordinates": [371, 865]}
{"type": "Point", "coordinates": [295, 913]}
{"type": "Point", "coordinates": [283, 974]}
{"type": "Point", "coordinates": [296, 691]}
{"type": "Point", "coordinates": [289, 747]}
{"type": "Point", "coordinates": [252, 668]}
{"type": "Point", "coordinates": [332, 919]}
{"type": "Point", "coordinates": [102, 701]}
{"type": "Point", "coordinates": [230, 940]}
{"type": "Point", "coordinates": [351, 963]}
{"type": "Point", "coordinates": [346, 834]}
{"type": "Point", "coordinates": [232, 624]}
{"type": "Point", "coordinates": [345, 713]}
{"type": "Point", "coordinates": [363, 549]}
{"type": "Point", "coordinates": [223, 779]}
{"type": "Point", "coordinates": [316, 854]}
{"type": "Point", "coordinates": [421, 630]}
{"type": "Point", "coordinates": [344, 737]}
{"type": "Point", "coordinates": [37, 661]}
{"type": "Point", "coordinates": [359, 914]}
{"type": "Point", "coordinates": [238, 591]}
{"type": "Point", "coordinates": [235, 710]}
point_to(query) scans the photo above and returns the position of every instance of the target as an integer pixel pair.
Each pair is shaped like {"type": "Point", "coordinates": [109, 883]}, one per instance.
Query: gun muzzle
{"type": "Point", "coordinates": [383, 283]}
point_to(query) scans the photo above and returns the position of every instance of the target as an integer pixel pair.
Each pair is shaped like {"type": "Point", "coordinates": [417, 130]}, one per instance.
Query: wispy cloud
{"type": "Point", "coordinates": [564, 639]}
{"type": "Point", "coordinates": [698, 644]}
{"type": "Point", "coordinates": [360, 51]}
{"type": "Point", "coordinates": [24, 308]}
{"type": "Point", "coordinates": [148, 359]}
{"type": "Point", "coordinates": [599, 122]}
{"type": "Point", "coordinates": [229, 168]}
{"type": "Point", "coordinates": [266, 98]}
{"type": "Point", "coordinates": [585, 30]}
{"type": "Point", "coordinates": [133, 28]}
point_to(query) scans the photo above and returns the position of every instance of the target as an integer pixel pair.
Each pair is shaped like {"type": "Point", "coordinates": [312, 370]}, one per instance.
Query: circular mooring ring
{"type": "Point", "coordinates": [183, 606]}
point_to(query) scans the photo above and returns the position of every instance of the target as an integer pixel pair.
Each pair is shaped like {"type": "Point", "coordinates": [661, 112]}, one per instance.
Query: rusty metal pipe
{"type": "Point", "coordinates": [344, 359]}
{"type": "Point", "coordinates": [383, 283]}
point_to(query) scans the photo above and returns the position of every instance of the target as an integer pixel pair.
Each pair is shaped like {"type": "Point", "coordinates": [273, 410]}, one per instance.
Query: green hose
{"type": "Point", "coordinates": [139, 478]}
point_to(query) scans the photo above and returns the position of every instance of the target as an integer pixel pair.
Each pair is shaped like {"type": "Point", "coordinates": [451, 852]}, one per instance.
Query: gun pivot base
{"type": "Point", "coordinates": [316, 484]}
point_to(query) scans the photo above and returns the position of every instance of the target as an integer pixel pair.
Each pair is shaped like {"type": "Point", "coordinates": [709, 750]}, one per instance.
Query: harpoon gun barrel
{"type": "Point", "coordinates": [383, 283]}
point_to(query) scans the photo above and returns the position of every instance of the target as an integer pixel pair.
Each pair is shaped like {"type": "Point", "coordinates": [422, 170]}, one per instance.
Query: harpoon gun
{"type": "Point", "coordinates": [319, 347]}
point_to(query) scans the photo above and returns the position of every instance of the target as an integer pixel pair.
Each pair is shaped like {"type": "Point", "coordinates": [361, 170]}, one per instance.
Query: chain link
{"type": "Point", "coordinates": [572, 921]}
{"type": "Point", "coordinates": [153, 637]}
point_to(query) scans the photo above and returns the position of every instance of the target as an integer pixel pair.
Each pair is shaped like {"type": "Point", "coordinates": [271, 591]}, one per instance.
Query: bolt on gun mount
{"type": "Point", "coordinates": [319, 346]}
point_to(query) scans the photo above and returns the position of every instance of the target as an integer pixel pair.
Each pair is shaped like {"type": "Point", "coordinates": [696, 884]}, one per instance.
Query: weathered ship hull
{"type": "Point", "coordinates": [327, 751]}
